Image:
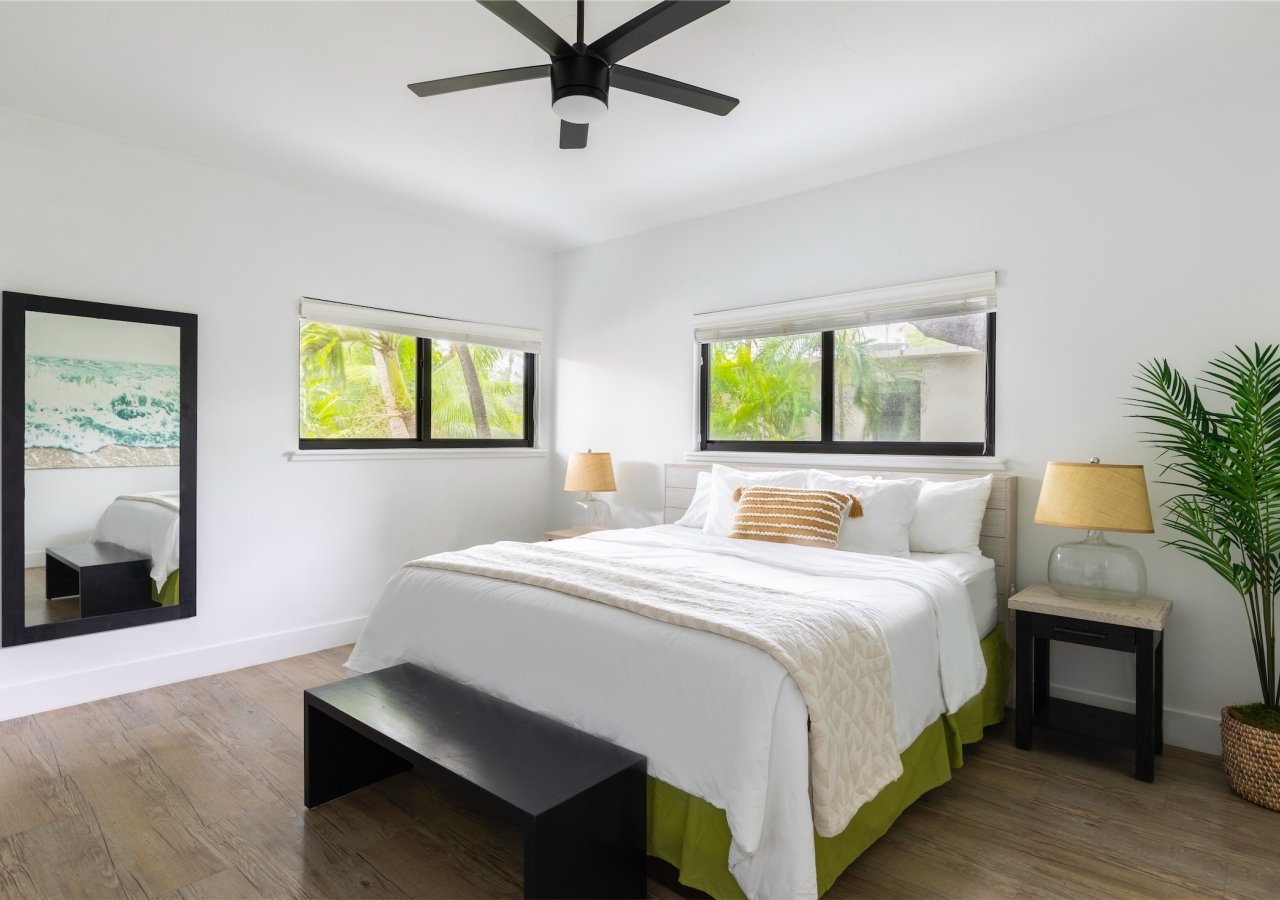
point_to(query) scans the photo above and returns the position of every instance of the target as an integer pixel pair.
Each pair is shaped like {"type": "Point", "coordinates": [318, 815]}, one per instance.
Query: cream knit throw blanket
{"type": "Point", "coordinates": [836, 654]}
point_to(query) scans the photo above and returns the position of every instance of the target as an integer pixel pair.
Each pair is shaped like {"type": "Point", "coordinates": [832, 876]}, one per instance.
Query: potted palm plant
{"type": "Point", "coordinates": [1219, 438]}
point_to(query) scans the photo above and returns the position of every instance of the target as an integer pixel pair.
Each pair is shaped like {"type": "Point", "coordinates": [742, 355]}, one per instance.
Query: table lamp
{"type": "Point", "coordinates": [1097, 498]}
{"type": "Point", "coordinates": [590, 472]}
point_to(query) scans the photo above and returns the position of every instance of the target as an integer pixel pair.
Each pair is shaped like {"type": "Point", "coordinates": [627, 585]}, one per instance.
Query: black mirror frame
{"type": "Point", "coordinates": [13, 627]}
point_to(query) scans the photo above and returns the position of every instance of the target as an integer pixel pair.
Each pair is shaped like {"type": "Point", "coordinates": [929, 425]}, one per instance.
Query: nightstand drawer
{"type": "Point", "coordinates": [1077, 631]}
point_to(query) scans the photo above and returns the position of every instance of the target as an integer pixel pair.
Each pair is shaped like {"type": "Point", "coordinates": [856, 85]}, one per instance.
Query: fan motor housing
{"type": "Point", "coordinates": [582, 75]}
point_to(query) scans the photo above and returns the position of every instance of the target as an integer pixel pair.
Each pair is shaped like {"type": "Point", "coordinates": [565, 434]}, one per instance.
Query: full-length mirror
{"type": "Point", "coordinates": [98, 459]}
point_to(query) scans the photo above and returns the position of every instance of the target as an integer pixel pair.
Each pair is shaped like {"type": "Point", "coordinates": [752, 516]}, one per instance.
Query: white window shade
{"type": "Point", "coordinates": [923, 300]}
{"type": "Point", "coordinates": [528, 340]}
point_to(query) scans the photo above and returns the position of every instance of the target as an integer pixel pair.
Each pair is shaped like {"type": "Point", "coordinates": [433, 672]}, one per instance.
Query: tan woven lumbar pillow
{"type": "Point", "coordinates": [792, 515]}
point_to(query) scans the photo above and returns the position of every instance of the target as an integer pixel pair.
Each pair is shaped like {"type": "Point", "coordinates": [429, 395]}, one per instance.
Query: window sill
{"type": "Point", "coordinates": [415, 453]}
{"type": "Point", "coordinates": [853, 460]}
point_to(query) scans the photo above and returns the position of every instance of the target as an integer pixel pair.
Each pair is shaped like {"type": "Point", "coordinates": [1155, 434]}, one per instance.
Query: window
{"type": "Point", "coordinates": [917, 377]}
{"type": "Point", "coordinates": [369, 387]}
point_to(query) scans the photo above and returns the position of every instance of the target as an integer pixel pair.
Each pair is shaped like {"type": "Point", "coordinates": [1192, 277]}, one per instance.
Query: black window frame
{"type": "Point", "coordinates": [827, 444]}
{"type": "Point", "coordinates": [424, 440]}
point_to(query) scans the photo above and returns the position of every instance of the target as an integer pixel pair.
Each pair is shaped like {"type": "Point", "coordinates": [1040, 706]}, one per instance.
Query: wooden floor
{"type": "Point", "coordinates": [195, 791]}
{"type": "Point", "coordinates": [39, 610]}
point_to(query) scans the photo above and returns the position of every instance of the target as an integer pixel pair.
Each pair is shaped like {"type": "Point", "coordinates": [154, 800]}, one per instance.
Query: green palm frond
{"type": "Point", "coordinates": [766, 389]}
{"type": "Point", "coordinates": [450, 408]}
{"type": "Point", "coordinates": [501, 378]}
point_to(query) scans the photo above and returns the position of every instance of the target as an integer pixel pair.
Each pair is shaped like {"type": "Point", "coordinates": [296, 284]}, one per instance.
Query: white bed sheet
{"type": "Point", "coordinates": [717, 718]}
{"type": "Point", "coordinates": [143, 527]}
{"type": "Point", "coordinates": [979, 576]}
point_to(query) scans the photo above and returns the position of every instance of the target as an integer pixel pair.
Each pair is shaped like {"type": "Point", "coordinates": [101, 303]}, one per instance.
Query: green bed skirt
{"type": "Point", "coordinates": [693, 835]}
{"type": "Point", "coordinates": [167, 595]}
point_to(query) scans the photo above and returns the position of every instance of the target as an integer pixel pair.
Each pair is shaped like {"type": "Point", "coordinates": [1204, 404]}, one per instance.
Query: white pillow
{"type": "Point", "coordinates": [887, 508]}
{"type": "Point", "coordinates": [696, 515]}
{"type": "Point", "coordinates": [721, 507]}
{"type": "Point", "coordinates": [949, 516]}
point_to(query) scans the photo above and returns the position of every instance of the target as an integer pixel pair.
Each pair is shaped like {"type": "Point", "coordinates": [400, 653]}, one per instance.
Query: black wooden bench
{"type": "Point", "coordinates": [109, 578]}
{"type": "Point", "coordinates": [579, 799]}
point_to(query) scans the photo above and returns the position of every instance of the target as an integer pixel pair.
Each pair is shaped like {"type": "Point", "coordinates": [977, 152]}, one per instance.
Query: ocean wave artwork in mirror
{"type": "Point", "coordinates": [86, 413]}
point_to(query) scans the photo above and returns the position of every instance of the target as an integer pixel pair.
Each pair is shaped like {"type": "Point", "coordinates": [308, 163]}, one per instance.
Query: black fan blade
{"type": "Point", "coordinates": [529, 25]}
{"type": "Point", "coordinates": [484, 79]}
{"type": "Point", "coordinates": [656, 22]}
{"type": "Point", "coordinates": [573, 137]}
{"type": "Point", "coordinates": [671, 90]}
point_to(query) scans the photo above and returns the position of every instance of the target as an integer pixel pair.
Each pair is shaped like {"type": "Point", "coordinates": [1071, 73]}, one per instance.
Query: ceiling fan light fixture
{"type": "Point", "coordinates": [582, 73]}
{"type": "Point", "coordinates": [580, 108]}
{"type": "Point", "coordinates": [580, 89]}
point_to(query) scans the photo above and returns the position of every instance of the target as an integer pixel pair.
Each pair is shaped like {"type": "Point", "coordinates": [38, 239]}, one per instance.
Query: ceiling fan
{"type": "Point", "coordinates": [581, 74]}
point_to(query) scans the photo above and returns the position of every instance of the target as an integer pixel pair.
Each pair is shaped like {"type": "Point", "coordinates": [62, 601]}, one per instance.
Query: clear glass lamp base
{"type": "Point", "coordinates": [1097, 568]}
{"type": "Point", "coordinates": [592, 511]}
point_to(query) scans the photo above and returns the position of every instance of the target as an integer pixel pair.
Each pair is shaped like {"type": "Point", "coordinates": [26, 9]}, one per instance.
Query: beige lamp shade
{"type": "Point", "coordinates": [1095, 496]}
{"type": "Point", "coordinates": [590, 472]}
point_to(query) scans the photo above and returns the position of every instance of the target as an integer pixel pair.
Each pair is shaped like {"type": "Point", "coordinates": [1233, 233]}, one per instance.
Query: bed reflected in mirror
{"type": "Point", "coordinates": [99, 434]}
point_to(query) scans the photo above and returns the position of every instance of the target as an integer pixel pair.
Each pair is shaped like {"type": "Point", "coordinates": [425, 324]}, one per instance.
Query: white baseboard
{"type": "Point", "coordinates": [1194, 731]}
{"type": "Point", "coordinates": [94, 684]}
{"type": "Point", "coordinates": [33, 559]}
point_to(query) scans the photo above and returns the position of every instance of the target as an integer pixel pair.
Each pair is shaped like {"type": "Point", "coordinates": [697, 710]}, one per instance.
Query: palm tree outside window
{"type": "Point", "coordinates": [363, 388]}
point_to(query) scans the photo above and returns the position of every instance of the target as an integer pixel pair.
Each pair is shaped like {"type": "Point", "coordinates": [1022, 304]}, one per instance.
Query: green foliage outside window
{"type": "Point", "coordinates": [357, 383]}
{"type": "Point", "coordinates": [476, 391]}
{"type": "Point", "coordinates": [770, 388]}
{"type": "Point", "coordinates": [766, 389]}
{"type": "Point", "coordinates": [363, 384]}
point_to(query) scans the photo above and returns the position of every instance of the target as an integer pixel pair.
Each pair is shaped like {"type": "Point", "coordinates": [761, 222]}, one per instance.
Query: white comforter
{"type": "Point", "coordinates": [717, 718]}
{"type": "Point", "coordinates": [144, 526]}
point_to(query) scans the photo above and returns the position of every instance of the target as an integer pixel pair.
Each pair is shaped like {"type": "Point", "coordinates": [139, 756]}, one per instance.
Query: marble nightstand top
{"type": "Point", "coordinates": [1144, 612]}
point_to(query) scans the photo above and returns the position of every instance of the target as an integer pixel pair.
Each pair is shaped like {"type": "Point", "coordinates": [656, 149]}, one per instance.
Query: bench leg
{"type": "Point", "coordinates": [60, 580]}
{"type": "Point", "coordinates": [337, 760]}
{"type": "Point", "coordinates": [592, 845]}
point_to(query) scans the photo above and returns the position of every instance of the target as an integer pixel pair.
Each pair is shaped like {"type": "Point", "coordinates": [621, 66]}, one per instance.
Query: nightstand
{"type": "Point", "coordinates": [1130, 626]}
{"type": "Point", "coordinates": [577, 531]}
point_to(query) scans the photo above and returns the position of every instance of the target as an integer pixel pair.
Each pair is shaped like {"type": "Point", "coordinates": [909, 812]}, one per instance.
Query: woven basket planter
{"type": "Point", "coordinates": [1251, 757]}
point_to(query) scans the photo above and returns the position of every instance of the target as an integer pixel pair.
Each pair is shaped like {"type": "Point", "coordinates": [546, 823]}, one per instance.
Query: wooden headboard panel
{"type": "Point", "coordinates": [999, 525]}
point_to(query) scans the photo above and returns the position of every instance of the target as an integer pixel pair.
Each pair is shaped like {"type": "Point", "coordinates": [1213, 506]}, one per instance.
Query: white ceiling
{"type": "Point", "coordinates": [315, 93]}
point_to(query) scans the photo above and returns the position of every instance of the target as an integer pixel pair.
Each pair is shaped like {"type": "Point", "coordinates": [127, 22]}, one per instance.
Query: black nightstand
{"type": "Point", "coordinates": [1043, 614]}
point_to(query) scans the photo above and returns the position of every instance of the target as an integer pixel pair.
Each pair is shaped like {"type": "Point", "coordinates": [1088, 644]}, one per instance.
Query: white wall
{"type": "Point", "coordinates": [63, 505]}
{"type": "Point", "coordinates": [291, 555]}
{"type": "Point", "coordinates": [77, 337]}
{"type": "Point", "coordinates": [1152, 233]}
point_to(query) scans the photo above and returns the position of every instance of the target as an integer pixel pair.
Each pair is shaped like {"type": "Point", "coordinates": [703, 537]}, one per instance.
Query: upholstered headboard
{"type": "Point", "coordinates": [999, 525]}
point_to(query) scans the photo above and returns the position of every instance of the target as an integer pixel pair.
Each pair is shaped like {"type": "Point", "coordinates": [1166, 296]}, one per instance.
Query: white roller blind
{"type": "Point", "coordinates": [922, 300]}
{"type": "Point", "coordinates": [527, 339]}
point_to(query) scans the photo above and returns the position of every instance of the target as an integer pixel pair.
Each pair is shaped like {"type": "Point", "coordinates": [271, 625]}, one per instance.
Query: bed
{"type": "Point", "coordinates": [147, 523]}
{"type": "Point", "coordinates": [724, 725]}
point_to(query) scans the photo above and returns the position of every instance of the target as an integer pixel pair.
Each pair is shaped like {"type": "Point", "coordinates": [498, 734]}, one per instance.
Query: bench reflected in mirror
{"type": "Point", "coordinates": [106, 577]}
